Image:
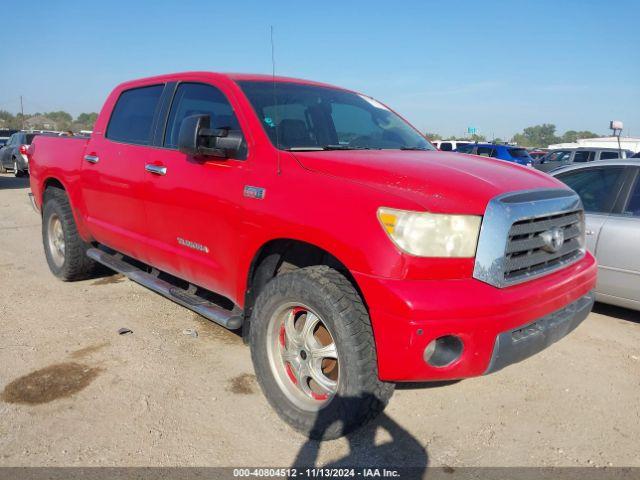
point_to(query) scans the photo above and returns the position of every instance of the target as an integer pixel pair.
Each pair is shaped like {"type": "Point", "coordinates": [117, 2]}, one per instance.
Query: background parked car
{"type": "Point", "coordinates": [13, 156]}
{"type": "Point", "coordinates": [509, 153]}
{"type": "Point", "coordinates": [610, 192]}
{"type": "Point", "coordinates": [449, 145]}
{"type": "Point", "coordinates": [4, 136]}
{"type": "Point", "coordinates": [567, 156]}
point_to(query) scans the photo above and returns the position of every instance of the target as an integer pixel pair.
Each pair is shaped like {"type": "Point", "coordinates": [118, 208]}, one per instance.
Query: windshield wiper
{"type": "Point", "coordinates": [326, 147]}
{"type": "Point", "coordinates": [413, 148]}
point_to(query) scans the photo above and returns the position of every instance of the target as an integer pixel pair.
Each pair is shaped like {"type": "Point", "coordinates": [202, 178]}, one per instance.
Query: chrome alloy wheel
{"type": "Point", "coordinates": [55, 238]}
{"type": "Point", "coordinates": [303, 356]}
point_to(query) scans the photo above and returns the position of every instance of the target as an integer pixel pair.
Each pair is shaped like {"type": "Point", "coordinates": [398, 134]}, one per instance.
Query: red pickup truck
{"type": "Point", "coordinates": [350, 252]}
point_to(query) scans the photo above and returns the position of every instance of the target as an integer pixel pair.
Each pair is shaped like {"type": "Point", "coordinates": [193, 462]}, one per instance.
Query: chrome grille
{"type": "Point", "coordinates": [525, 255]}
{"type": "Point", "coordinates": [514, 243]}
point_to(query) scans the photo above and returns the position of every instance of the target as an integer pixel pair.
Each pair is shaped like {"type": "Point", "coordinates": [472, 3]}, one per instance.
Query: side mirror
{"type": "Point", "coordinates": [196, 138]}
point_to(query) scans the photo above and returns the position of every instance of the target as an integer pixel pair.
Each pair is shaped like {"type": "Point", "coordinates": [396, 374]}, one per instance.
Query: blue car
{"type": "Point", "coordinates": [509, 153]}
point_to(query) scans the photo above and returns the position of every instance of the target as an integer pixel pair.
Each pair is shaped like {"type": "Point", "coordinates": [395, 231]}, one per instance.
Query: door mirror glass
{"type": "Point", "coordinates": [196, 138]}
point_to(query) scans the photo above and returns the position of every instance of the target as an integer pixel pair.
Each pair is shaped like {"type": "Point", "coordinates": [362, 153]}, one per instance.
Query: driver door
{"type": "Point", "coordinates": [193, 204]}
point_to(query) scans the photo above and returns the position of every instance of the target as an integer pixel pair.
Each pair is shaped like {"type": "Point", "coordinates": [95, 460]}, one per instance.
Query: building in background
{"type": "Point", "coordinates": [39, 122]}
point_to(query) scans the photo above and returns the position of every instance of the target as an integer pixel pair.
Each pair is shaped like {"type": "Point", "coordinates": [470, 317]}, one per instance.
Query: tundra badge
{"type": "Point", "coordinates": [194, 245]}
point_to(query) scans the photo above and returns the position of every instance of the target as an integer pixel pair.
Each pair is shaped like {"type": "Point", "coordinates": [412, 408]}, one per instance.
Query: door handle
{"type": "Point", "coordinates": [92, 158]}
{"type": "Point", "coordinates": [155, 169]}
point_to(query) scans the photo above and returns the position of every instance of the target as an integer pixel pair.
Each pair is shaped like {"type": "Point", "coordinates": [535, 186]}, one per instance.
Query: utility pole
{"type": "Point", "coordinates": [21, 112]}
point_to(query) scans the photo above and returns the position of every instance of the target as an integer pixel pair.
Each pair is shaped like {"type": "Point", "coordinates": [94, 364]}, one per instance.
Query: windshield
{"type": "Point", "coordinates": [307, 117]}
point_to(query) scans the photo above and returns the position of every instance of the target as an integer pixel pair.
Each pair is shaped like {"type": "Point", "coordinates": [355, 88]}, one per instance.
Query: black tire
{"type": "Point", "coordinates": [75, 264]}
{"type": "Point", "coordinates": [360, 395]}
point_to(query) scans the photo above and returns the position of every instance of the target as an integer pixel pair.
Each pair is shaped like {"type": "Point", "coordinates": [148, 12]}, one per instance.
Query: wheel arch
{"type": "Point", "coordinates": [282, 255]}
{"type": "Point", "coordinates": [55, 182]}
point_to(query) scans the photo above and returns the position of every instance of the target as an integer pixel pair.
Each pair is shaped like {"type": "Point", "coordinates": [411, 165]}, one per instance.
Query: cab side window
{"type": "Point", "coordinates": [201, 99]}
{"type": "Point", "coordinates": [597, 187]}
{"type": "Point", "coordinates": [132, 118]}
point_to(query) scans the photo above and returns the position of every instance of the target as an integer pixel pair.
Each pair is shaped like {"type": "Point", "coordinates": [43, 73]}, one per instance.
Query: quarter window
{"type": "Point", "coordinates": [597, 187]}
{"type": "Point", "coordinates": [200, 99]}
{"type": "Point", "coordinates": [132, 117]}
{"type": "Point", "coordinates": [609, 155]}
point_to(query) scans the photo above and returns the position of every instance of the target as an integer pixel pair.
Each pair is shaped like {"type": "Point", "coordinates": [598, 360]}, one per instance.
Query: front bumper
{"type": "Point", "coordinates": [523, 342]}
{"type": "Point", "coordinates": [407, 315]}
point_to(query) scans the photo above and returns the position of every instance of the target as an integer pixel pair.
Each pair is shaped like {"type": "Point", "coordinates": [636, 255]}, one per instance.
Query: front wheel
{"type": "Point", "coordinates": [314, 354]}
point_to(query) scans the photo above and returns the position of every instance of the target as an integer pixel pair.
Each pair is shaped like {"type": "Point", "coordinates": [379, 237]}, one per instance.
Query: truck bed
{"type": "Point", "coordinates": [57, 157]}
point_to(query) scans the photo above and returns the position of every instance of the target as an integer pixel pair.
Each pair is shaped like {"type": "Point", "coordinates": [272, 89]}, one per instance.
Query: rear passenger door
{"type": "Point", "coordinates": [113, 171]}
{"type": "Point", "coordinates": [619, 245]}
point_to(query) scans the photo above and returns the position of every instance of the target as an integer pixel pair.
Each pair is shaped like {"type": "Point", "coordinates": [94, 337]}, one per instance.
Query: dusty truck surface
{"type": "Point", "coordinates": [351, 254]}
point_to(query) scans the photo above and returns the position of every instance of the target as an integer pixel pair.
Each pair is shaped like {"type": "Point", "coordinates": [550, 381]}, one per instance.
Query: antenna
{"type": "Point", "coordinates": [275, 101]}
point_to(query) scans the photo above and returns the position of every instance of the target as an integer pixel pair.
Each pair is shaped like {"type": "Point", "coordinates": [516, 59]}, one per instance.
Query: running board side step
{"type": "Point", "coordinates": [231, 319]}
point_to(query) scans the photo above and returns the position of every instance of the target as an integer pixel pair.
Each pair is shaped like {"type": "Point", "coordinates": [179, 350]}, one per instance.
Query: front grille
{"type": "Point", "coordinates": [520, 237]}
{"type": "Point", "coordinates": [525, 256]}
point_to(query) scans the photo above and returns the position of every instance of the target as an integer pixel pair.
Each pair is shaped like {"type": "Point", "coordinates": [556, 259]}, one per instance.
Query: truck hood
{"type": "Point", "coordinates": [441, 182]}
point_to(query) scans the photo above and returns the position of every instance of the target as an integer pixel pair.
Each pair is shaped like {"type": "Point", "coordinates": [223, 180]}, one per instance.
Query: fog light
{"type": "Point", "coordinates": [443, 351]}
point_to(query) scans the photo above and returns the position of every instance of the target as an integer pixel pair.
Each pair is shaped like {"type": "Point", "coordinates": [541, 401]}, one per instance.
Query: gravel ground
{"type": "Point", "coordinates": [74, 392]}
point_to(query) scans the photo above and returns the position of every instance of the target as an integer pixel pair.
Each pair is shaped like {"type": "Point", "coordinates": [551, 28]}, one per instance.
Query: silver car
{"type": "Point", "coordinates": [610, 192]}
{"type": "Point", "coordinates": [568, 156]}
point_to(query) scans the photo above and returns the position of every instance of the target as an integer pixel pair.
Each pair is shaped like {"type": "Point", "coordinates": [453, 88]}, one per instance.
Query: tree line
{"type": "Point", "coordinates": [62, 120]}
{"type": "Point", "coordinates": [536, 136]}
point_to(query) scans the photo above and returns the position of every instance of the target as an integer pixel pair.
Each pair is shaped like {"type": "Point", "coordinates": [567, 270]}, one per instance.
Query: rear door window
{"type": "Point", "coordinates": [598, 187]}
{"type": "Point", "coordinates": [132, 117]}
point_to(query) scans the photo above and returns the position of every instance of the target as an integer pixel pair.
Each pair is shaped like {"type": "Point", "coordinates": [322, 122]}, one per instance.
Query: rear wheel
{"type": "Point", "coordinates": [314, 355]}
{"type": "Point", "coordinates": [66, 252]}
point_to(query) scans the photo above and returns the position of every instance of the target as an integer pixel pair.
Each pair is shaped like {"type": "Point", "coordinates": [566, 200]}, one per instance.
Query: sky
{"type": "Point", "coordinates": [499, 66]}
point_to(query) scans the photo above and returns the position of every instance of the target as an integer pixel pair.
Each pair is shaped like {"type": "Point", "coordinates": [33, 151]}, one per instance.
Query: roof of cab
{"type": "Point", "coordinates": [237, 77]}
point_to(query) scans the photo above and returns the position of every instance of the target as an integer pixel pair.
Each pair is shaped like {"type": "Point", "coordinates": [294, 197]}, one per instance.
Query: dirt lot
{"type": "Point", "coordinates": [74, 392]}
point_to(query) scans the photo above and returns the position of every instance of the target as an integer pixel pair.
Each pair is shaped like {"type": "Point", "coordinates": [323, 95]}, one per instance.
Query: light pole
{"type": "Point", "coordinates": [616, 126]}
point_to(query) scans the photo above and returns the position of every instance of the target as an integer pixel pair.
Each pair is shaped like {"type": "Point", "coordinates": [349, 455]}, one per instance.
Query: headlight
{"type": "Point", "coordinates": [431, 234]}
